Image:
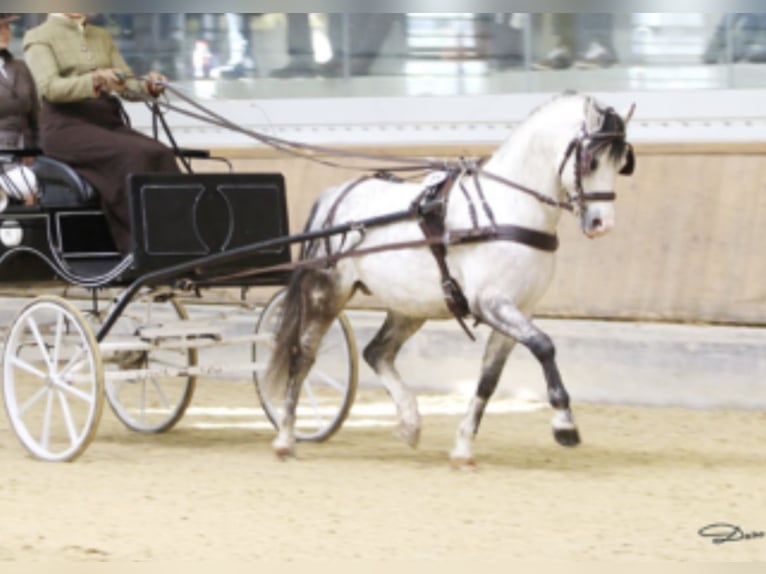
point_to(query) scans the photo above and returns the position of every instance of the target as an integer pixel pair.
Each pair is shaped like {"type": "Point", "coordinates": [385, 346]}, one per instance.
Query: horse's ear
{"type": "Point", "coordinates": [594, 115]}
{"type": "Point", "coordinates": [629, 113]}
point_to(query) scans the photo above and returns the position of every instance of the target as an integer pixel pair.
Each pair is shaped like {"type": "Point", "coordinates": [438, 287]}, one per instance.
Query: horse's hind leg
{"type": "Point", "coordinates": [312, 303]}
{"type": "Point", "coordinates": [380, 354]}
{"type": "Point", "coordinates": [496, 354]}
{"type": "Point", "coordinates": [505, 317]}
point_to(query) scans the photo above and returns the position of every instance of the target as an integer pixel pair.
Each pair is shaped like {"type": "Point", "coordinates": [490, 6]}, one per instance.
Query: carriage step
{"type": "Point", "coordinates": [181, 329]}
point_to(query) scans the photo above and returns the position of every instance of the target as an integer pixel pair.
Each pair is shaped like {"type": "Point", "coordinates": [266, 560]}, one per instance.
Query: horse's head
{"type": "Point", "coordinates": [594, 157]}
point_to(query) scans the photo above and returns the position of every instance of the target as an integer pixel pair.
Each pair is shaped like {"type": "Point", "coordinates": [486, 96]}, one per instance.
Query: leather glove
{"type": "Point", "coordinates": [155, 83]}
{"type": "Point", "coordinates": [108, 80]}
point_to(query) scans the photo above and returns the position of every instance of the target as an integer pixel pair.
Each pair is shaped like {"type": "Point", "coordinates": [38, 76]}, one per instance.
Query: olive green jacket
{"type": "Point", "coordinates": [62, 56]}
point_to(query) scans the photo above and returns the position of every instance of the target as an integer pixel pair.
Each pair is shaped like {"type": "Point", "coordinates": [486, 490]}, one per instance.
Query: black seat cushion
{"type": "Point", "coordinates": [62, 186]}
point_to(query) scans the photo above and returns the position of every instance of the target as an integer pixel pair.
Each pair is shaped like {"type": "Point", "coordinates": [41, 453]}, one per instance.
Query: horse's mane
{"type": "Point", "coordinates": [565, 95]}
{"type": "Point", "coordinates": [612, 124]}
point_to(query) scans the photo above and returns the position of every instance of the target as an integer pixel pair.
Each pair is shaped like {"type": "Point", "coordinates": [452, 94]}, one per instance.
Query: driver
{"type": "Point", "coordinates": [79, 71]}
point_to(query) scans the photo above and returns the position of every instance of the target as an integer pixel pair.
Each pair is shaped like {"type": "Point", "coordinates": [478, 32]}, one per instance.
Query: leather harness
{"type": "Point", "coordinates": [431, 206]}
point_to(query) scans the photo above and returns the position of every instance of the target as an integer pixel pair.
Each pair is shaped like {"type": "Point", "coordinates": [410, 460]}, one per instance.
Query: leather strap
{"type": "Point", "coordinates": [529, 237]}
{"type": "Point", "coordinates": [431, 220]}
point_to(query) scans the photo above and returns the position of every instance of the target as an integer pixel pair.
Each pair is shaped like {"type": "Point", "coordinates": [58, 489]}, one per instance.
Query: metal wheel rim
{"type": "Point", "coordinates": [319, 416]}
{"type": "Point", "coordinates": [146, 404]}
{"type": "Point", "coordinates": [52, 380]}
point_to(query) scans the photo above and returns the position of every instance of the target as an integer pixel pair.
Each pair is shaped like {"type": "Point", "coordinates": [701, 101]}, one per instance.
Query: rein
{"type": "Point", "coordinates": [311, 152]}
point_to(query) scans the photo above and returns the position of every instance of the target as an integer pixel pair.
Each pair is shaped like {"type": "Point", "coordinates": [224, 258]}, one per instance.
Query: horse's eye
{"type": "Point", "coordinates": [593, 164]}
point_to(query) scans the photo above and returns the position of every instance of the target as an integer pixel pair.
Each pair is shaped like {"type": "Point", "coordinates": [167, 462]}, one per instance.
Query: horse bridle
{"type": "Point", "coordinates": [580, 147]}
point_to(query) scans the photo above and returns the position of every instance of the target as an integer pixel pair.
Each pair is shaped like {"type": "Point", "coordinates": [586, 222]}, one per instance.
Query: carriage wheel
{"type": "Point", "coordinates": [53, 381]}
{"type": "Point", "coordinates": [329, 389]}
{"type": "Point", "coordinates": [148, 400]}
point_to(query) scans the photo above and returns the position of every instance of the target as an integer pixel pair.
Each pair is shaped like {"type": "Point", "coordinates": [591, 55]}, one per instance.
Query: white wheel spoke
{"type": "Point", "coordinates": [161, 393]}
{"type": "Point", "coordinates": [71, 430]}
{"type": "Point", "coordinates": [46, 430]}
{"type": "Point", "coordinates": [328, 380]}
{"type": "Point", "coordinates": [314, 404]}
{"type": "Point", "coordinates": [39, 339]}
{"type": "Point", "coordinates": [326, 347]}
{"type": "Point", "coordinates": [74, 391]}
{"type": "Point", "coordinates": [32, 400]}
{"type": "Point", "coordinates": [116, 386]}
{"type": "Point", "coordinates": [24, 366]}
{"type": "Point", "coordinates": [74, 364]}
{"type": "Point", "coordinates": [57, 339]}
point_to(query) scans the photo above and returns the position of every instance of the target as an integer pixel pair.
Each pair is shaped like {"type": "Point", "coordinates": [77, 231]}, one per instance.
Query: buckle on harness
{"type": "Point", "coordinates": [435, 179]}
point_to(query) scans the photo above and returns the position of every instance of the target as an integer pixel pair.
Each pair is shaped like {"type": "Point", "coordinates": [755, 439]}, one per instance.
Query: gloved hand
{"type": "Point", "coordinates": [108, 80]}
{"type": "Point", "coordinates": [155, 83]}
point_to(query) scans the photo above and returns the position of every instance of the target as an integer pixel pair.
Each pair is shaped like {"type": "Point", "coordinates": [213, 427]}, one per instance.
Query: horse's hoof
{"type": "Point", "coordinates": [459, 463]}
{"type": "Point", "coordinates": [284, 451]}
{"type": "Point", "coordinates": [284, 454]}
{"type": "Point", "coordinates": [567, 437]}
{"type": "Point", "coordinates": [410, 435]}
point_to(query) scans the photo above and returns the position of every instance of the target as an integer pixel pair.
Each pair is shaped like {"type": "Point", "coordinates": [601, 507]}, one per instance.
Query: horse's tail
{"type": "Point", "coordinates": [289, 327]}
{"type": "Point", "coordinates": [288, 331]}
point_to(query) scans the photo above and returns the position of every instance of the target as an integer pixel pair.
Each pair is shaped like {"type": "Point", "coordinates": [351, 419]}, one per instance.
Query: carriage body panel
{"type": "Point", "coordinates": [177, 218]}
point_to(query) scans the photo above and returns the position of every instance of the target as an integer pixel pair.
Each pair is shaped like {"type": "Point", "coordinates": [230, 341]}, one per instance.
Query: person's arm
{"type": "Point", "coordinates": [51, 85]}
{"type": "Point", "coordinates": [117, 62]}
{"type": "Point", "coordinates": [134, 88]}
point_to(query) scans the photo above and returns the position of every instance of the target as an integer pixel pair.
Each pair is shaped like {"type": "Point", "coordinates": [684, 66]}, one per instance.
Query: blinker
{"type": "Point", "coordinates": [630, 162]}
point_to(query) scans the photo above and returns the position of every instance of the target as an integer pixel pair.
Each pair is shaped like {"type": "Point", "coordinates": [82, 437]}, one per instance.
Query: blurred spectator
{"type": "Point", "coordinates": [300, 51]}
{"type": "Point", "coordinates": [202, 59]}
{"type": "Point", "coordinates": [506, 35]}
{"type": "Point", "coordinates": [354, 38]}
{"type": "Point", "coordinates": [239, 60]}
{"type": "Point", "coordinates": [364, 38]}
{"type": "Point", "coordinates": [582, 39]}
{"type": "Point", "coordinates": [747, 32]}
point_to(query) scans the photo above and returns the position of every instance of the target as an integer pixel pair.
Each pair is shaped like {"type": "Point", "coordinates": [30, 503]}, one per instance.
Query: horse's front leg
{"type": "Point", "coordinates": [496, 354]}
{"type": "Point", "coordinates": [502, 315]}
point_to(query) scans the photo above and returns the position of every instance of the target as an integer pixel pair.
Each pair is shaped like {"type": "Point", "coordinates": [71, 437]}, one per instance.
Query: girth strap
{"type": "Point", "coordinates": [529, 237]}
{"type": "Point", "coordinates": [432, 207]}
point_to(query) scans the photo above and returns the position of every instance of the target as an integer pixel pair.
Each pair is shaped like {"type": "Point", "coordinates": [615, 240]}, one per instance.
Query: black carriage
{"type": "Point", "coordinates": [192, 234]}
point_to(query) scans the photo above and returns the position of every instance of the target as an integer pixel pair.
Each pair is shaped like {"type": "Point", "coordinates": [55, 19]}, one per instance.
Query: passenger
{"type": "Point", "coordinates": [78, 69]}
{"type": "Point", "coordinates": [18, 122]}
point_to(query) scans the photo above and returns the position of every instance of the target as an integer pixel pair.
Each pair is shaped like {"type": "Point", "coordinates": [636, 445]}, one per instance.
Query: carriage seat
{"type": "Point", "coordinates": [61, 186]}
